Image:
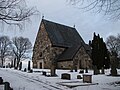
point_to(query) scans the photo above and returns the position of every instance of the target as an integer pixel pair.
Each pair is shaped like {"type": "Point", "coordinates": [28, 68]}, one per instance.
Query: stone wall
{"type": "Point", "coordinates": [82, 59]}
{"type": "Point", "coordinates": [40, 46]}
{"type": "Point", "coordinates": [50, 56]}
{"type": "Point", "coordinates": [43, 51]}
{"type": "Point", "coordinates": [65, 65]}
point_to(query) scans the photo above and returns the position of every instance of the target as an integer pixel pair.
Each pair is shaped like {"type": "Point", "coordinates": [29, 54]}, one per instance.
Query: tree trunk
{"type": "Point", "coordinates": [20, 66]}
{"type": "Point", "coordinates": [2, 62]}
{"type": "Point", "coordinates": [53, 66]}
{"type": "Point", "coordinates": [18, 62]}
{"type": "Point", "coordinates": [29, 68]}
{"type": "Point", "coordinates": [53, 70]}
{"type": "Point", "coordinates": [96, 70]}
{"type": "Point", "coordinates": [113, 66]}
{"type": "Point", "coordinates": [11, 64]}
{"type": "Point", "coordinates": [14, 63]}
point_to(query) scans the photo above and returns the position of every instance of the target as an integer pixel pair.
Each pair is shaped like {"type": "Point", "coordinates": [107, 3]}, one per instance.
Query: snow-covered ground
{"type": "Point", "coordinates": [36, 81]}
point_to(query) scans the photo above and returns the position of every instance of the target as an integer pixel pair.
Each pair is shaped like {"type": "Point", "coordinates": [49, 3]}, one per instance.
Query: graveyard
{"type": "Point", "coordinates": [59, 45]}
{"type": "Point", "coordinates": [37, 80]}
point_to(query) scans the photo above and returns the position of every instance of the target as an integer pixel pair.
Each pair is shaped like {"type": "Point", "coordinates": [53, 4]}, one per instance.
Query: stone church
{"type": "Point", "coordinates": [62, 45]}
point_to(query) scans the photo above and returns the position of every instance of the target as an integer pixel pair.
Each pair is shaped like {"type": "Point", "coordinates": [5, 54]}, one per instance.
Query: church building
{"type": "Point", "coordinates": [61, 45]}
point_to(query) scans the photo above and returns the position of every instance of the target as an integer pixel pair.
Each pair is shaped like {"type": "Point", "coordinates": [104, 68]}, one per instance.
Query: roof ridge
{"type": "Point", "coordinates": [58, 23]}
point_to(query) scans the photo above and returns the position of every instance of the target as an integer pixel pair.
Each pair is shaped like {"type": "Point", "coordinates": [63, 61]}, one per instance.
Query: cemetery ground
{"type": "Point", "coordinates": [20, 80]}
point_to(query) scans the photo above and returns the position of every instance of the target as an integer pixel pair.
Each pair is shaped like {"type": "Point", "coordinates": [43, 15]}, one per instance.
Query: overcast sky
{"type": "Point", "coordinates": [62, 12]}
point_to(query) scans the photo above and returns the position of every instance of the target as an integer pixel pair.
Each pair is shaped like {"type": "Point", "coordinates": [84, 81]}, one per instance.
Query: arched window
{"type": "Point", "coordinates": [40, 54]}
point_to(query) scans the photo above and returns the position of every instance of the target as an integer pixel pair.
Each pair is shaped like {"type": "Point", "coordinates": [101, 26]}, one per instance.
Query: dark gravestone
{"type": "Point", "coordinates": [75, 69]}
{"type": "Point", "coordinates": [11, 88]}
{"type": "Point", "coordinates": [44, 73]}
{"type": "Point", "coordinates": [7, 86]}
{"type": "Point", "coordinates": [79, 77]}
{"type": "Point", "coordinates": [71, 70]}
{"type": "Point", "coordinates": [3, 66]}
{"type": "Point", "coordinates": [25, 70]}
{"type": "Point", "coordinates": [65, 76]}
{"type": "Point", "coordinates": [81, 71]}
{"type": "Point", "coordinates": [1, 80]}
{"type": "Point", "coordinates": [96, 71]}
{"type": "Point", "coordinates": [102, 71]}
{"type": "Point", "coordinates": [31, 71]}
{"type": "Point", "coordinates": [86, 70]}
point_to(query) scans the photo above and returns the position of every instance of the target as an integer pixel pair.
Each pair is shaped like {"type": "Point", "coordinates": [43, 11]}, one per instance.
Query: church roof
{"type": "Point", "coordinates": [64, 36]}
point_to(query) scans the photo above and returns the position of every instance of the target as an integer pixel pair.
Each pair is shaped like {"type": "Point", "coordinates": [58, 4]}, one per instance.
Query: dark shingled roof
{"type": "Point", "coordinates": [64, 36]}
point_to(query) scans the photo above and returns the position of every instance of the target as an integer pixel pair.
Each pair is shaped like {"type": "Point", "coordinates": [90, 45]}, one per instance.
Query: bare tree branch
{"type": "Point", "coordinates": [109, 7]}
{"type": "Point", "coordinates": [14, 12]}
{"type": "Point", "coordinates": [113, 44]}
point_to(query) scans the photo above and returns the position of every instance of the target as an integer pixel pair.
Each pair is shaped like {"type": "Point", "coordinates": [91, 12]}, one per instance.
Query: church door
{"type": "Point", "coordinates": [40, 65]}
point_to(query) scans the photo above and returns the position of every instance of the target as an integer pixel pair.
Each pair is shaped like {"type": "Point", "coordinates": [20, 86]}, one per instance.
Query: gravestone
{"type": "Point", "coordinates": [81, 71]}
{"type": "Point", "coordinates": [1, 80]}
{"type": "Point", "coordinates": [96, 71]}
{"type": "Point", "coordinates": [25, 70]}
{"type": "Point", "coordinates": [79, 77]}
{"type": "Point", "coordinates": [87, 78]}
{"type": "Point", "coordinates": [75, 69]}
{"type": "Point", "coordinates": [71, 69]}
{"type": "Point", "coordinates": [44, 73]}
{"type": "Point", "coordinates": [86, 70]}
{"type": "Point", "coordinates": [102, 70]}
{"type": "Point", "coordinates": [66, 76]}
{"type": "Point", "coordinates": [7, 86]}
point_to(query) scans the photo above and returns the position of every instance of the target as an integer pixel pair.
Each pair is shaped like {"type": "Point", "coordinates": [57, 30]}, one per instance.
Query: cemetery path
{"type": "Point", "coordinates": [22, 82]}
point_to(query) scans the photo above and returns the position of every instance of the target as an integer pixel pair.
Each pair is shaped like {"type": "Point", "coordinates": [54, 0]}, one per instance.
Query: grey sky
{"type": "Point", "coordinates": [62, 12]}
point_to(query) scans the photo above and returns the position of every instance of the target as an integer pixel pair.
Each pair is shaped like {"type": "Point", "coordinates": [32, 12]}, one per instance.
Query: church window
{"type": "Point", "coordinates": [40, 54]}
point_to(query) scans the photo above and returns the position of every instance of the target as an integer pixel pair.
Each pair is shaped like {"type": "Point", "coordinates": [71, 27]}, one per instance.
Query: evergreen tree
{"type": "Point", "coordinates": [100, 54]}
{"type": "Point", "coordinates": [94, 50]}
{"type": "Point", "coordinates": [107, 57]}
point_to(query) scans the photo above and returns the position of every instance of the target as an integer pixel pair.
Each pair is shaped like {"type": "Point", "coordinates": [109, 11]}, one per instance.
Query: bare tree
{"type": "Point", "coordinates": [14, 12]}
{"type": "Point", "coordinates": [110, 7]}
{"type": "Point", "coordinates": [113, 44]}
{"type": "Point", "coordinates": [4, 48]}
{"type": "Point", "coordinates": [21, 46]}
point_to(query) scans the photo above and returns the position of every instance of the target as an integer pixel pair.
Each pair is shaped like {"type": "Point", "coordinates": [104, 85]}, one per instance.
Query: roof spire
{"type": "Point", "coordinates": [74, 25]}
{"type": "Point", "coordinates": [42, 16]}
